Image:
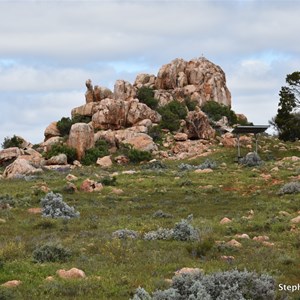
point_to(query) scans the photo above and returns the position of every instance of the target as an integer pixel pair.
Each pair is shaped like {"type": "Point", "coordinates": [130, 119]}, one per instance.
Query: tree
{"type": "Point", "coordinates": [287, 120]}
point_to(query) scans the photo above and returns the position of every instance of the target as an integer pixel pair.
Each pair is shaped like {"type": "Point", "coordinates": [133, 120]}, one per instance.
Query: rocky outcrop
{"type": "Point", "coordinates": [9, 154]}
{"type": "Point", "coordinates": [197, 125]}
{"type": "Point", "coordinates": [81, 138]}
{"type": "Point", "coordinates": [199, 79]}
{"type": "Point", "coordinates": [60, 159]}
{"type": "Point", "coordinates": [124, 90]}
{"type": "Point", "coordinates": [147, 80]}
{"type": "Point", "coordinates": [117, 114]}
{"type": "Point", "coordinates": [20, 167]}
{"type": "Point", "coordinates": [51, 131]}
{"type": "Point", "coordinates": [83, 110]}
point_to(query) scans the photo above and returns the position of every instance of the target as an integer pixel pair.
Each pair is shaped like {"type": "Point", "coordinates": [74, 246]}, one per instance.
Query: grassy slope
{"type": "Point", "coordinates": [123, 265]}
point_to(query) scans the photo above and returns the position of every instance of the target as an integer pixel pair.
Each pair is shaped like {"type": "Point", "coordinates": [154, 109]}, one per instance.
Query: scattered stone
{"type": "Point", "coordinates": [105, 162]}
{"type": "Point", "coordinates": [261, 238]}
{"type": "Point", "coordinates": [225, 221]}
{"type": "Point", "coordinates": [129, 172]}
{"type": "Point", "coordinates": [117, 191]}
{"type": "Point", "coordinates": [180, 137]}
{"type": "Point", "coordinates": [266, 176]}
{"type": "Point", "coordinates": [284, 213]}
{"type": "Point", "coordinates": [228, 259]}
{"type": "Point", "coordinates": [204, 171]}
{"type": "Point", "coordinates": [291, 158]}
{"type": "Point", "coordinates": [49, 278]}
{"type": "Point", "coordinates": [122, 160]}
{"type": "Point", "coordinates": [71, 177]}
{"type": "Point", "coordinates": [268, 244]}
{"type": "Point", "coordinates": [12, 283]}
{"type": "Point", "coordinates": [234, 243]}
{"type": "Point", "coordinates": [2, 221]}
{"type": "Point", "coordinates": [70, 188]}
{"type": "Point", "coordinates": [275, 169]}
{"type": "Point", "coordinates": [89, 186]}
{"type": "Point", "coordinates": [35, 210]}
{"type": "Point", "coordinates": [71, 274]}
{"type": "Point", "coordinates": [242, 236]}
{"type": "Point", "coordinates": [296, 220]}
{"type": "Point", "coordinates": [188, 271]}
{"type": "Point", "coordinates": [77, 163]}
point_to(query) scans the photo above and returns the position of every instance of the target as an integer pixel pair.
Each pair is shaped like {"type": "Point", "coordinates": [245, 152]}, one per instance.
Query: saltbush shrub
{"type": "Point", "coordinates": [208, 164]}
{"type": "Point", "coordinates": [252, 159]}
{"type": "Point", "coordinates": [125, 234]}
{"type": "Point", "coordinates": [216, 111]}
{"type": "Point", "coordinates": [160, 214]}
{"type": "Point", "coordinates": [290, 188]}
{"type": "Point", "coordinates": [57, 149]}
{"type": "Point", "coordinates": [233, 285]}
{"type": "Point", "coordinates": [146, 95]}
{"type": "Point", "coordinates": [53, 206]}
{"type": "Point", "coordinates": [159, 234]}
{"type": "Point", "coordinates": [14, 141]}
{"type": "Point", "coordinates": [51, 252]}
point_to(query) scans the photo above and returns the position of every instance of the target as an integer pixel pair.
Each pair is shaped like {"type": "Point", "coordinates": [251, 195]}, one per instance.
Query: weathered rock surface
{"type": "Point", "coordinates": [10, 153]}
{"type": "Point", "coordinates": [73, 273]}
{"type": "Point", "coordinates": [81, 138]}
{"type": "Point", "coordinates": [83, 110]}
{"type": "Point", "coordinates": [11, 283]}
{"type": "Point", "coordinates": [89, 186]}
{"type": "Point", "coordinates": [60, 159]}
{"type": "Point", "coordinates": [117, 114]}
{"type": "Point", "coordinates": [51, 131]}
{"type": "Point", "coordinates": [123, 90]}
{"type": "Point", "coordinates": [197, 125]}
{"type": "Point", "coordinates": [19, 168]}
{"type": "Point", "coordinates": [105, 162]}
{"type": "Point", "coordinates": [199, 79]}
{"type": "Point", "coordinates": [147, 80]}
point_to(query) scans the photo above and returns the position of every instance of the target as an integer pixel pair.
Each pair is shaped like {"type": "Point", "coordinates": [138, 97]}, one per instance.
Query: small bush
{"type": "Point", "coordinates": [156, 133]}
{"type": "Point", "coordinates": [208, 164]}
{"type": "Point", "coordinates": [53, 206]}
{"type": "Point", "coordinates": [91, 155]}
{"type": "Point", "coordinates": [51, 252]}
{"type": "Point", "coordinates": [290, 188]}
{"type": "Point", "coordinates": [6, 201]}
{"type": "Point", "coordinates": [171, 115]}
{"type": "Point", "coordinates": [233, 285]}
{"type": "Point", "coordinates": [146, 95]}
{"type": "Point", "coordinates": [154, 165]}
{"type": "Point", "coordinates": [64, 125]}
{"type": "Point", "coordinates": [81, 119]}
{"type": "Point", "coordinates": [184, 231]}
{"type": "Point", "coordinates": [201, 248]}
{"type": "Point", "coordinates": [7, 294]}
{"type": "Point", "coordinates": [216, 111]}
{"type": "Point", "coordinates": [161, 214]}
{"type": "Point", "coordinates": [14, 141]}
{"type": "Point", "coordinates": [109, 181]}
{"type": "Point", "coordinates": [125, 234]}
{"type": "Point", "coordinates": [252, 159]}
{"type": "Point", "coordinates": [57, 149]}
{"type": "Point", "coordinates": [136, 155]}
{"type": "Point", "coordinates": [160, 234]}
{"type": "Point", "coordinates": [190, 104]}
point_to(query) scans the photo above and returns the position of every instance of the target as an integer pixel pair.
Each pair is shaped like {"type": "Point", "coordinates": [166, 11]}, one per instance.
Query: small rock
{"type": "Point", "coordinates": [284, 213]}
{"type": "Point", "coordinates": [234, 243]}
{"type": "Point", "coordinates": [296, 220]}
{"type": "Point", "coordinates": [188, 271]}
{"type": "Point", "coordinates": [129, 172]}
{"type": "Point", "coordinates": [181, 137]}
{"type": "Point", "coordinates": [35, 210]}
{"type": "Point", "coordinates": [268, 244]}
{"type": "Point", "coordinates": [2, 221]}
{"type": "Point", "coordinates": [225, 221]}
{"type": "Point", "coordinates": [11, 283]}
{"type": "Point", "coordinates": [70, 188]}
{"type": "Point", "coordinates": [242, 236]}
{"type": "Point", "coordinates": [117, 191]}
{"type": "Point", "coordinates": [204, 171]}
{"type": "Point", "coordinates": [266, 176]}
{"type": "Point", "coordinates": [60, 159]}
{"type": "Point", "coordinates": [261, 238]}
{"type": "Point", "coordinates": [122, 160]}
{"type": "Point", "coordinates": [71, 274]}
{"type": "Point", "coordinates": [49, 278]}
{"type": "Point", "coordinates": [275, 169]}
{"type": "Point", "coordinates": [71, 177]}
{"type": "Point", "coordinates": [76, 163]}
{"type": "Point", "coordinates": [104, 162]}
{"type": "Point", "coordinates": [229, 259]}
{"type": "Point", "coordinates": [89, 186]}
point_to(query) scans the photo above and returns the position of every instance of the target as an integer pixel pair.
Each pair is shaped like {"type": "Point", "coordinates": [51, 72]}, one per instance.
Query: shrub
{"type": "Point", "coordinates": [208, 164]}
{"type": "Point", "coordinates": [252, 159]}
{"type": "Point", "coordinates": [154, 165]}
{"type": "Point", "coordinates": [156, 133]}
{"type": "Point", "coordinates": [184, 231]}
{"type": "Point", "coordinates": [136, 155]}
{"type": "Point", "coordinates": [160, 234]}
{"type": "Point", "coordinates": [171, 115]}
{"type": "Point", "coordinates": [190, 104]}
{"type": "Point", "coordinates": [64, 125]}
{"type": "Point", "coordinates": [57, 149]}
{"type": "Point", "coordinates": [216, 111]}
{"type": "Point", "coordinates": [53, 206]}
{"type": "Point", "coordinates": [91, 155]}
{"type": "Point", "coordinates": [233, 285]}
{"type": "Point", "coordinates": [161, 214]}
{"type": "Point", "coordinates": [109, 181]}
{"type": "Point", "coordinates": [6, 201]}
{"type": "Point", "coordinates": [81, 119]}
{"type": "Point", "coordinates": [14, 141]}
{"type": "Point", "coordinates": [51, 252]}
{"type": "Point", "coordinates": [146, 95]}
{"type": "Point", "coordinates": [290, 188]}
{"type": "Point", "coordinates": [125, 234]}
{"type": "Point", "coordinates": [7, 294]}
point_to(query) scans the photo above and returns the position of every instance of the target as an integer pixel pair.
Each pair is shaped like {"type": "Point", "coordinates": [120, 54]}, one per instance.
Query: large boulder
{"type": "Point", "coordinates": [60, 159]}
{"type": "Point", "coordinates": [116, 114]}
{"type": "Point", "coordinates": [51, 131]}
{"type": "Point", "coordinates": [197, 125]}
{"type": "Point", "coordinates": [147, 80]}
{"type": "Point", "coordinates": [81, 138]}
{"type": "Point", "coordinates": [199, 79]}
{"type": "Point", "coordinates": [123, 90]}
{"type": "Point", "coordinates": [20, 167]}
{"type": "Point", "coordinates": [83, 110]}
{"type": "Point", "coordinates": [9, 154]}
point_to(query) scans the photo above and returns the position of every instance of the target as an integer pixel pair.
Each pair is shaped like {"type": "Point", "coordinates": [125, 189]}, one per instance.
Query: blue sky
{"type": "Point", "coordinates": [49, 48]}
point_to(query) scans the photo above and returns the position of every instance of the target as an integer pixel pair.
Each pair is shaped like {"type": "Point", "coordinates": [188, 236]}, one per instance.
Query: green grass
{"type": "Point", "coordinates": [115, 268]}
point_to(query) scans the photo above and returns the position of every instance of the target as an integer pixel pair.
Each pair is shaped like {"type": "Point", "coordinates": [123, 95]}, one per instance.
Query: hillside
{"type": "Point", "coordinates": [143, 198]}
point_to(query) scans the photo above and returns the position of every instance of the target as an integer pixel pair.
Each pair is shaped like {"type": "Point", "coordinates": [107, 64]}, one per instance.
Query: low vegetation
{"type": "Point", "coordinates": [135, 231]}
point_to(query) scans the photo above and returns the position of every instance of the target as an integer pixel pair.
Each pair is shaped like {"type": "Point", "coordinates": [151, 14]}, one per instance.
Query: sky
{"type": "Point", "coordinates": [48, 49]}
